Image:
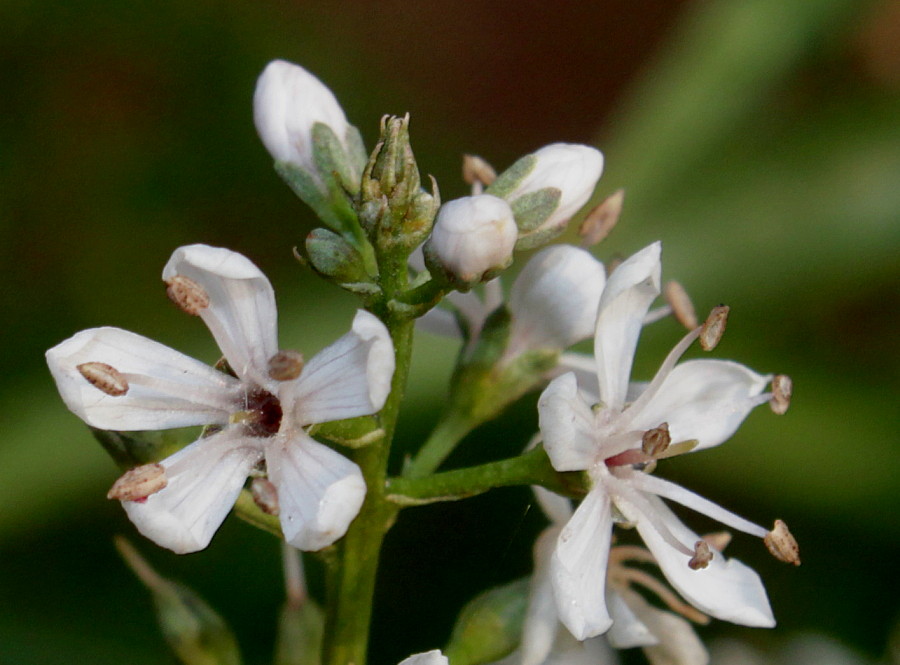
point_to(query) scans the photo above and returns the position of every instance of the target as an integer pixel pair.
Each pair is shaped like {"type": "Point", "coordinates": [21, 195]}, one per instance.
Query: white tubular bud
{"type": "Point", "coordinates": [287, 103]}
{"type": "Point", "coordinates": [473, 236]}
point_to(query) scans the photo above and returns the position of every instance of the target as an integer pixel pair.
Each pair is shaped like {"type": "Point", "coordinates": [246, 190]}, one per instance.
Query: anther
{"type": "Point", "coordinates": [265, 495]}
{"type": "Point", "coordinates": [602, 219]}
{"type": "Point", "coordinates": [782, 388]}
{"type": "Point", "coordinates": [656, 440]}
{"type": "Point", "coordinates": [702, 555]}
{"type": "Point", "coordinates": [681, 305]}
{"type": "Point", "coordinates": [782, 545]}
{"type": "Point", "coordinates": [475, 169]}
{"type": "Point", "coordinates": [104, 378]}
{"type": "Point", "coordinates": [718, 540]}
{"type": "Point", "coordinates": [714, 327]}
{"type": "Point", "coordinates": [139, 483]}
{"type": "Point", "coordinates": [190, 297]}
{"type": "Point", "coordinates": [286, 365]}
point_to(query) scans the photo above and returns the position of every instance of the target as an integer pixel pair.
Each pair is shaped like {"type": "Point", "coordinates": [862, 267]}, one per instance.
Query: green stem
{"type": "Point", "coordinates": [452, 428]}
{"type": "Point", "coordinates": [531, 468]}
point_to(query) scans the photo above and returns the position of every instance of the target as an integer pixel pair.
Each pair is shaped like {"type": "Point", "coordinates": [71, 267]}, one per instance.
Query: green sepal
{"type": "Point", "coordinates": [489, 627]}
{"type": "Point", "coordinates": [512, 177]}
{"type": "Point", "coordinates": [301, 628]}
{"type": "Point", "coordinates": [332, 160]}
{"type": "Point", "coordinates": [130, 449]}
{"type": "Point", "coordinates": [333, 257]}
{"type": "Point", "coordinates": [352, 433]}
{"type": "Point", "coordinates": [534, 208]}
{"type": "Point", "coordinates": [540, 237]}
{"type": "Point", "coordinates": [192, 629]}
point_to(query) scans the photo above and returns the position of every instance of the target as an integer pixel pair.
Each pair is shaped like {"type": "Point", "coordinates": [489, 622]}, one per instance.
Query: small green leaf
{"type": "Point", "coordinates": [534, 208]}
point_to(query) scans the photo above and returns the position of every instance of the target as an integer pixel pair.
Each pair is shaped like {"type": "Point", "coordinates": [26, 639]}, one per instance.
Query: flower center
{"type": "Point", "coordinates": [262, 414]}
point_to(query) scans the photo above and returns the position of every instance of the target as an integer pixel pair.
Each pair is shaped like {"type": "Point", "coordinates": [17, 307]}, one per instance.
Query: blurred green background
{"type": "Point", "coordinates": [759, 139]}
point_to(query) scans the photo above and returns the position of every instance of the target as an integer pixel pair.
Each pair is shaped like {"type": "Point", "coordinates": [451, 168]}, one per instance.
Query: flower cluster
{"type": "Point", "coordinates": [404, 252]}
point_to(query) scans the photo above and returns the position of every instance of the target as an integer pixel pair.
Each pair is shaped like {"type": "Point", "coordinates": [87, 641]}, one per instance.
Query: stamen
{"type": "Point", "coordinates": [602, 219]}
{"type": "Point", "coordinates": [648, 513]}
{"type": "Point", "coordinates": [190, 297]}
{"type": "Point", "coordinates": [221, 399]}
{"type": "Point", "coordinates": [782, 545]}
{"type": "Point", "coordinates": [265, 495]}
{"type": "Point", "coordinates": [286, 365]}
{"type": "Point", "coordinates": [104, 378]}
{"type": "Point", "coordinates": [664, 593]}
{"type": "Point", "coordinates": [718, 540]}
{"type": "Point", "coordinates": [657, 314]}
{"type": "Point", "coordinates": [655, 441]}
{"type": "Point", "coordinates": [621, 553]}
{"type": "Point", "coordinates": [139, 483]}
{"type": "Point", "coordinates": [702, 556]}
{"type": "Point", "coordinates": [782, 388]}
{"type": "Point", "coordinates": [681, 305]}
{"type": "Point", "coordinates": [714, 327]}
{"type": "Point", "coordinates": [477, 170]}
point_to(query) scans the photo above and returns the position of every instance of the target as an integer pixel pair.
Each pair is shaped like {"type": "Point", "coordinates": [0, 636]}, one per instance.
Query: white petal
{"type": "Point", "coordinates": [567, 425]}
{"type": "Point", "coordinates": [350, 378]}
{"type": "Point", "coordinates": [541, 623]}
{"type": "Point", "coordinates": [578, 567]}
{"type": "Point", "coordinates": [554, 299]}
{"type": "Point", "coordinates": [674, 640]}
{"type": "Point", "coordinates": [704, 399]}
{"type": "Point", "coordinates": [319, 491]}
{"type": "Point", "coordinates": [569, 651]}
{"type": "Point", "coordinates": [241, 314]}
{"type": "Point", "coordinates": [204, 480]}
{"type": "Point", "coordinates": [168, 388]}
{"type": "Point", "coordinates": [627, 630]}
{"type": "Point", "coordinates": [557, 508]}
{"type": "Point", "coordinates": [434, 657]}
{"type": "Point", "coordinates": [726, 589]}
{"type": "Point", "coordinates": [629, 291]}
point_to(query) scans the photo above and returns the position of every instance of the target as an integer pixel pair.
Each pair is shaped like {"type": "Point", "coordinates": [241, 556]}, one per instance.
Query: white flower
{"type": "Point", "coordinates": [287, 103]}
{"type": "Point", "coordinates": [553, 302]}
{"type": "Point", "coordinates": [473, 235]}
{"type": "Point", "coordinates": [114, 379]}
{"type": "Point", "coordinates": [434, 657]}
{"type": "Point", "coordinates": [700, 400]}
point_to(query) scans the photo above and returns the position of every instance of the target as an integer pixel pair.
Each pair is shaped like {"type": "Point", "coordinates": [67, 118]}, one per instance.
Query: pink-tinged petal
{"type": "Point", "coordinates": [204, 480]}
{"type": "Point", "coordinates": [541, 624]}
{"type": "Point", "coordinates": [706, 400]}
{"type": "Point", "coordinates": [166, 388]}
{"type": "Point", "coordinates": [554, 299]}
{"type": "Point", "coordinates": [627, 630]}
{"type": "Point", "coordinates": [578, 567]}
{"type": "Point", "coordinates": [241, 313]}
{"type": "Point", "coordinates": [726, 589]}
{"type": "Point", "coordinates": [434, 657]}
{"type": "Point", "coordinates": [629, 291]}
{"type": "Point", "coordinates": [567, 426]}
{"type": "Point", "coordinates": [320, 491]}
{"type": "Point", "coordinates": [350, 378]}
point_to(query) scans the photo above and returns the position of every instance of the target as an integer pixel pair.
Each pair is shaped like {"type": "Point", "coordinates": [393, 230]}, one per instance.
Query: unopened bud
{"type": "Point", "coordinates": [602, 219]}
{"type": "Point", "coordinates": [656, 440]}
{"type": "Point", "coordinates": [702, 555]}
{"type": "Point", "coordinates": [718, 540]}
{"type": "Point", "coordinates": [139, 483]}
{"type": "Point", "coordinates": [782, 545]}
{"type": "Point", "coordinates": [477, 170]}
{"type": "Point", "coordinates": [265, 495]}
{"type": "Point", "coordinates": [285, 365]}
{"type": "Point", "coordinates": [682, 307]}
{"type": "Point", "coordinates": [782, 388]}
{"type": "Point", "coordinates": [472, 236]}
{"type": "Point", "coordinates": [190, 297]}
{"type": "Point", "coordinates": [104, 378]}
{"type": "Point", "coordinates": [714, 327]}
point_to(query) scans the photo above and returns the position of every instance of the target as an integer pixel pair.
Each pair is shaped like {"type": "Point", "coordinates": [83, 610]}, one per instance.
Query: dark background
{"type": "Point", "coordinates": [759, 139]}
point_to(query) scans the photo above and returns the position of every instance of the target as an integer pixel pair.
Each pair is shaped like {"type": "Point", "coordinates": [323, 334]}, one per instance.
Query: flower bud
{"type": "Point", "coordinates": [547, 187]}
{"type": "Point", "coordinates": [473, 238]}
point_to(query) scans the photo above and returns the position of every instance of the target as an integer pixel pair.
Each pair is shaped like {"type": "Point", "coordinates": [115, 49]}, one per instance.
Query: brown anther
{"type": "Point", "coordinates": [602, 219]}
{"type": "Point", "coordinates": [104, 378]}
{"type": "Point", "coordinates": [475, 169]}
{"type": "Point", "coordinates": [682, 307]}
{"type": "Point", "coordinates": [265, 495]}
{"type": "Point", "coordinates": [714, 327]}
{"type": "Point", "coordinates": [782, 545]}
{"type": "Point", "coordinates": [656, 440]}
{"type": "Point", "coordinates": [190, 297]}
{"type": "Point", "coordinates": [718, 540]}
{"type": "Point", "coordinates": [139, 483]}
{"type": "Point", "coordinates": [782, 388]}
{"type": "Point", "coordinates": [286, 365]}
{"type": "Point", "coordinates": [702, 555]}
